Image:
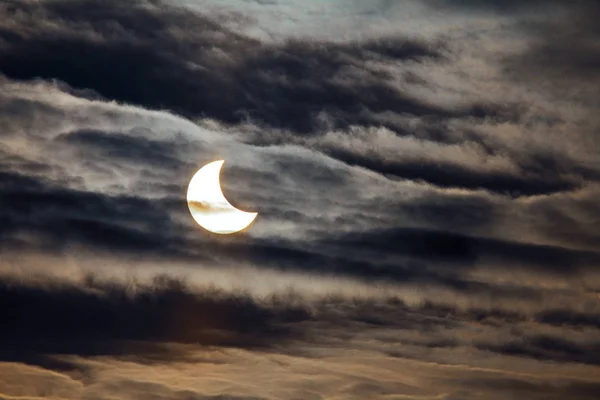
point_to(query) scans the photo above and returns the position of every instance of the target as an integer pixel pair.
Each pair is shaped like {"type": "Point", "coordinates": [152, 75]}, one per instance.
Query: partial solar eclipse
{"type": "Point", "coordinates": [208, 205]}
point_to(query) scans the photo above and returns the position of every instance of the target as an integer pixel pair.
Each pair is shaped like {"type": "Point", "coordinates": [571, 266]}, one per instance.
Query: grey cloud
{"type": "Point", "coordinates": [470, 242]}
{"type": "Point", "coordinates": [451, 159]}
{"type": "Point", "coordinates": [466, 250]}
{"type": "Point", "coordinates": [134, 318]}
{"type": "Point", "coordinates": [165, 324]}
{"type": "Point", "coordinates": [562, 58]}
{"type": "Point", "coordinates": [152, 227]}
{"type": "Point", "coordinates": [570, 219]}
{"type": "Point", "coordinates": [276, 86]}
{"type": "Point", "coordinates": [175, 59]}
{"type": "Point", "coordinates": [452, 175]}
{"type": "Point", "coordinates": [469, 214]}
{"type": "Point", "coordinates": [64, 216]}
{"type": "Point", "coordinates": [133, 147]}
{"type": "Point", "coordinates": [565, 317]}
{"type": "Point", "coordinates": [547, 347]}
{"type": "Point", "coordinates": [103, 318]}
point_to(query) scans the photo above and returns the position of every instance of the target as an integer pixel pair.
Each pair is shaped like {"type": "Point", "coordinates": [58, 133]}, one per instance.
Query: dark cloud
{"type": "Point", "coordinates": [132, 146]}
{"type": "Point", "coordinates": [209, 70]}
{"type": "Point", "coordinates": [567, 317]}
{"type": "Point", "coordinates": [62, 216]}
{"type": "Point", "coordinates": [453, 175]}
{"type": "Point", "coordinates": [563, 58]}
{"type": "Point", "coordinates": [450, 268]}
{"type": "Point", "coordinates": [165, 322]}
{"type": "Point", "coordinates": [470, 214]}
{"type": "Point", "coordinates": [145, 320]}
{"type": "Point", "coordinates": [54, 218]}
{"type": "Point", "coordinates": [464, 250]}
{"type": "Point", "coordinates": [165, 57]}
{"type": "Point", "coordinates": [129, 319]}
{"type": "Point", "coordinates": [45, 213]}
{"type": "Point", "coordinates": [546, 347]}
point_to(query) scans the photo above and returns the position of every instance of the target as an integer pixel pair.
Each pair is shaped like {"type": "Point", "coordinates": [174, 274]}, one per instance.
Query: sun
{"type": "Point", "coordinates": [209, 207]}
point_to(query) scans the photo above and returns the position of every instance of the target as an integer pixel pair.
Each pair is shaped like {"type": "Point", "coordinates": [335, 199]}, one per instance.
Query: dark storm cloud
{"type": "Point", "coordinates": [62, 216]}
{"type": "Point", "coordinates": [40, 212]}
{"type": "Point", "coordinates": [574, 221]}
{"type": "Point", "coordinates": [129, 319]}
{"type": "Point", "coordinates": [164, 57]}
{"type": "Point", "coordinates": [139, 321]}
{"type": "Point", "coordinates": [36, 214]}
{"type": "Point", "coordinates": [41, 215]}
{"type": "Point", "coordinates": [412, 255]}
{"type": "Point", "coordinates": [454, 175]}
{"type": "Point", "coordinates": [53, 218]}
{"type": "Point", "coordinates": [131, 146]}
{"type": "Point", "coordinates": [547, 347]}
{"type": "Point", "coordinates": [356, 288]}
{"type": "Point", "coordinates": [567, 317]}
{"type": "Point", "coordinates": [466, 251]}
{"type": "Point", "coordinates": [564, 54]}
{"type": "Point", "coordinates": [440, 326]}
{"type": "Point", "coordinates": [59, 217]}
{"type": "Point", "coordinates": [469, 213]}
{"type": "Point", "coordinates": [186, 62]}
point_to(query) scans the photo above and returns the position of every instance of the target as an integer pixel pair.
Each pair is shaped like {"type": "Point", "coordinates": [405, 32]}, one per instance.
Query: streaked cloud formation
{"type": "Point", "coordinates": [426, 175]}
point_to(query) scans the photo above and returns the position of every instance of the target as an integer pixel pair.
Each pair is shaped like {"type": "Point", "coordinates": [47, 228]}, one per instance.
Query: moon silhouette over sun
{"type": "Point", "coordinates": [208, 205]}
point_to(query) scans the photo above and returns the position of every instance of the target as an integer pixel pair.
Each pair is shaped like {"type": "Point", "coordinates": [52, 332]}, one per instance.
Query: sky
{"type": "Point", "coordinates": [426, 175]}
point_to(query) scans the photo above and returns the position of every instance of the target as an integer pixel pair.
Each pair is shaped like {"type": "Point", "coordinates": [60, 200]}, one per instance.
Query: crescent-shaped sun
{"type": "Point", "coordinates": [208, 205]}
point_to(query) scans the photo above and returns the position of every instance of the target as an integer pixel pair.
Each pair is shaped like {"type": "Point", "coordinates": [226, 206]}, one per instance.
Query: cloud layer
{"type": "Point", "coordinates": [428, 225]}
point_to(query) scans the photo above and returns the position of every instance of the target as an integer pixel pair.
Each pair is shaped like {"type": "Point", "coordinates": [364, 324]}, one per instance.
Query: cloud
{"type": "Point", "coordinates": [274, 77]}
{"type": "Point", "coordinates": [183, 61]}
{"type": "Point", "coordinates": [133, 147]}
{"type": "Point", "coordinates": [31, 207]}
{"type": "Point", "coordinates": [564, 317]}
{"type": "Point", "coordinates": [550, 348]}
{"type": "Point", "coordinates": [133, 319]}
{"type": "Point", "coordinates": [442, 234]}
{"type": "Point", "coordinates": [453, 175]}
{"type": "Point", "coordinates": [465, 250]}
{"type": "Point", "coordinates": [535, 389]}
{"type": "Point", "coordinates": [495, 5]}
{"type": "Point", "coordinates": [103, 337]}
{"type": "Point", "coordinates": [450, 159]}
{"type": "Point", "coordinates": [427, 202]}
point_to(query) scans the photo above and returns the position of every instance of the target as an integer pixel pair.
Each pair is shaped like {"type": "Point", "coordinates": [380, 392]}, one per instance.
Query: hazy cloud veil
{"type": "Point", "coordinates": [426, 174]}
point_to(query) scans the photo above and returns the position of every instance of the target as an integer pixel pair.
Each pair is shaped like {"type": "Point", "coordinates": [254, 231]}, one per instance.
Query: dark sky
{"type": "Point", "coordinates": [426, 175]}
